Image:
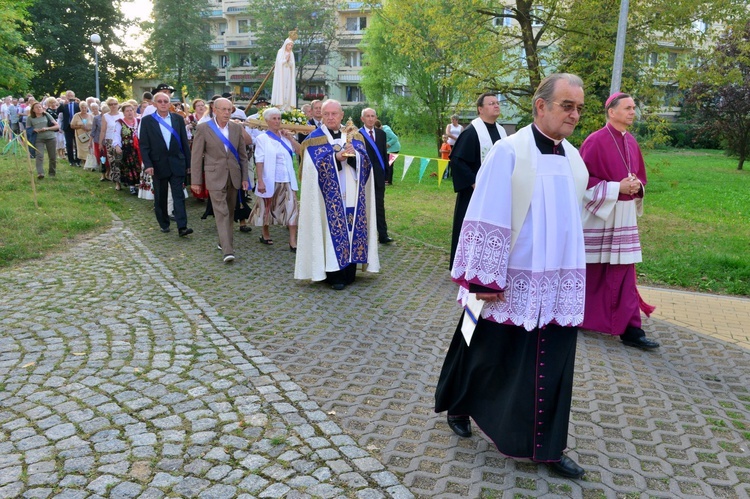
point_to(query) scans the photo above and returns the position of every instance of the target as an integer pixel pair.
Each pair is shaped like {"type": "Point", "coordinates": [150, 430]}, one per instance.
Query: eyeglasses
{"type": "Point", "coordinates": [568, 107]}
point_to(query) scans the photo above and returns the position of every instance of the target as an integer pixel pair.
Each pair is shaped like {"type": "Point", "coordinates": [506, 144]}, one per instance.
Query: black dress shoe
{"type": "Point", "coordinates": [461, 425]}
{"type": "Point", "coordinates": [386, 240]}
{"type": "Point", "coordinates": [643, 343]}
{"type": "Point", "coordinates": [566, 467]}
{"type": "Point", "coordinates": [184, 231]}
{"type": "Point", "coordinates": [338, 286]}
{"type": "Point", "coordinates": [165, 229]}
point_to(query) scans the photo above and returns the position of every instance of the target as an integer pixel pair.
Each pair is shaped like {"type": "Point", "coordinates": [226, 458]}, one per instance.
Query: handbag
{"type": "Point", "coordinates": [83, 137]}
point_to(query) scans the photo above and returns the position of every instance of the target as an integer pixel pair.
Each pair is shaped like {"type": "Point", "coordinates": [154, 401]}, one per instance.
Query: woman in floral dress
{"type": "Point", "coordinates": [126, 147]}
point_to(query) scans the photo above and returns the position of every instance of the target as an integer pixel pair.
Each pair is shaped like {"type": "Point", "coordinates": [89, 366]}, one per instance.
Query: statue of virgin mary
{"type": "Point", "coordinates": [284, 92]}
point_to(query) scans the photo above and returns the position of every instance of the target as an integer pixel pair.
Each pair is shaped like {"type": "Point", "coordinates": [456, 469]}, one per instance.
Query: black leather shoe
{"type": "Point", "coordinates": [165, 229]}
{"type": "Point", "coordinates": [461, 425]}
{"type": "Point", "coordinates": [386, 240]}
{"type": "Point", "coordinates": [566, 467]}
{"type": "Point", "coordinates": [338, 286]}
{"type": "Point", "coordinates": [643, 343]}
{"type": "Point", "coordinates": [185, 231]}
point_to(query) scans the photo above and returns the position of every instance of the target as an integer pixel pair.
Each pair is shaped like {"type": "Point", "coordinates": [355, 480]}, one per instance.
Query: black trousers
{"type": "Point", "coordinates": [517, 385]}
{"type": "Point", "coordinates": [160, 201]}
{"type": "Point", "coordinates": [343, 276]}
{"type": "Point", "coordinates": [70, 141]}
{"type": "Point", "coordinates": [380, 212]}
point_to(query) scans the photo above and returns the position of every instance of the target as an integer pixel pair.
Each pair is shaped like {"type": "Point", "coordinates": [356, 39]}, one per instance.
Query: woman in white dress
{"type": "Point", "coordinates": [107, 135]}
{"type": "Point", "coordinates": [276, 199]}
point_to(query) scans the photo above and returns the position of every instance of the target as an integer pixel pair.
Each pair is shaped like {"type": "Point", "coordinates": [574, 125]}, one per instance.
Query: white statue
{"type": "Point", "coordinates": [284, 93]}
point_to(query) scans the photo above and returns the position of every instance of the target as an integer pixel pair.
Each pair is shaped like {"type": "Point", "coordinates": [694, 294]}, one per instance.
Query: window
{"type": "Point", "coordinates": [222, 28]}
{"type": "Point", "coordinates": [243, 26]}
{"type": "Point", "coordinates": [223, 61]}
{"type": "Point", "coordinates": [700, 26]}
{"type": "Point", "coordinates": [354, 94]}
{"type": "Point", "coordinates": [353, 59]}
{"type": "Point", "coordinates": [672, 60]}
{"type": "Point", "coordinates": [653, 59]}
{"type": "Point", "coordinates": [356, 24]}
{"type": "Point", "coordinates": [504, 21]}
{"type": "Point", "coordinates": [246, 61]}
{"type": "Point", "coordinates": [537, 16]}
{"type": "Point", "coordinates": [401, 90]}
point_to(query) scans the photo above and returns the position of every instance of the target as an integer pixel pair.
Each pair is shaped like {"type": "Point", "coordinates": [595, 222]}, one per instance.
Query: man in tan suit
{"type": "Point", "coordinates": [219, 153]}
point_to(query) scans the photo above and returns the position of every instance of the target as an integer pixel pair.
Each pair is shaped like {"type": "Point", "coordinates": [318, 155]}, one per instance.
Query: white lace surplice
{"type": "Point", "coordinates": [544, 275]}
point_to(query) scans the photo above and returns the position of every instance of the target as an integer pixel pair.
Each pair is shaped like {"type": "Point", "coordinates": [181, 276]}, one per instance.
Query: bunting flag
{"type": "Point", "coordinates": [407, 164]}
{"type": "Point", "coordinates": [442, 165]}
{"type": "Point", "coordinates": [392, 159]}
{"type": "Point", "coordinates": [423, 162]}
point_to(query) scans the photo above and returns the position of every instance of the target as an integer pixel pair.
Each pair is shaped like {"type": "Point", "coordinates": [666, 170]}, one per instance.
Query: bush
{"type": "Point", "coordinates": [679, 135]}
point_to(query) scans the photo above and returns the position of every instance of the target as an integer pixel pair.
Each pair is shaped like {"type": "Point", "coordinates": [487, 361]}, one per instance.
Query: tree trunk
{"type": "Point", "coordinates": [741, 162]}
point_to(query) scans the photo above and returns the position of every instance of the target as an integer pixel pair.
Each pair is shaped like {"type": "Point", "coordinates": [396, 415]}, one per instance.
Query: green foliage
{"type": "Point", "coordinates": [15, 71]}
{"type": "Point", "coordinates": [316, 24]}
{"type": "Point", "coordinates": [62, 55]}
{"type": "Point", "coordinates": [719, 96]}
{"type": "Point", "coordinates": [179, 50]}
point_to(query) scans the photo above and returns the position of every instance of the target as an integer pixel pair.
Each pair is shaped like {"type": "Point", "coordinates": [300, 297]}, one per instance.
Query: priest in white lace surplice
{"type": "Point", "coordinates": [613, 202]}
{"type": "Point", "coordinates": [521, 253]}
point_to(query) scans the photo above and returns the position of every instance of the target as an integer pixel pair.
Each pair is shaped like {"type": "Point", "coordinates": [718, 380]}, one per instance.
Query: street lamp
{"type": "Point", "coordinates": [96, 40]}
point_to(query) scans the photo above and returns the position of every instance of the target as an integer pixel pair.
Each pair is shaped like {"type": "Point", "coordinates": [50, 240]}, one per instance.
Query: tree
{"type": "Point", "coordinates": [61, 54]}
{"type": "Point", "coordinates": [15, 71]}
{"type": "Point", "coordinates": [661, 37]}
{"type": "Point", "coordinates": [405, 45]}
{"type": "Point", "coordinates": [179, 43]}
{"type": "Point", "coordinates": [316, 24]}
{"type": "Point", "coordinates": [720, 96]}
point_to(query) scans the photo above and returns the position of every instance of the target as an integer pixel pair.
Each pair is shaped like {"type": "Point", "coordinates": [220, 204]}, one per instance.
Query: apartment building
{"type": "Point", "coordinates": [240, 72]}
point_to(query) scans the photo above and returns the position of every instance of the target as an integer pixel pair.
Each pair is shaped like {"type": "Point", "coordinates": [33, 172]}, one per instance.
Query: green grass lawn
{"type": "Point", "coordinates": [695, 231]}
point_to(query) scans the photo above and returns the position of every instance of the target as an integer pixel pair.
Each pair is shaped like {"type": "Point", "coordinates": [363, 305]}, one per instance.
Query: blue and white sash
{"type": "Point", "coordinates": [226, 141]}
{"type": "Point", "coordinates": [278, 139]}
{"type": "Point", "coordinates": [374, 146]}
{"type": "Point", "coordinates": [166, 125]}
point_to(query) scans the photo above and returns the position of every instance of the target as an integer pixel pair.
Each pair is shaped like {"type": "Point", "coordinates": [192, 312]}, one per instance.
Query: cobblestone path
{"type": "Point", "coordinates": [672, 423]}
{"type": "Point", "coordinates": [117, 380]}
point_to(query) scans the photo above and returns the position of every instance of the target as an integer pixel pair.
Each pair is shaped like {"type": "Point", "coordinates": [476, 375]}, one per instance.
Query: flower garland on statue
{"type": "Point", "coordinates": [292, 117]}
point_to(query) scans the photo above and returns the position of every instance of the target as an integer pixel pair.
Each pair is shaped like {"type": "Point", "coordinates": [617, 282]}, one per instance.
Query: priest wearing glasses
{"type": "Point", "coordinates": [613, 202]}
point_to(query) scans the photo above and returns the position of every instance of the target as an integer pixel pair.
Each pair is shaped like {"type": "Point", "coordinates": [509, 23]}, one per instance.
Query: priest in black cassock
{"type": "Point", "coordinates": [521, 268]}
{"type": "Point", "coordinates": [467, 155]}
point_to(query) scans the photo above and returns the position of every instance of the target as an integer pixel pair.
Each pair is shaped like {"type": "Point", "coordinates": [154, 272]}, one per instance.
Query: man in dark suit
{"type": "Point", "coordinates": [67, 111]}
{"type": "Point", "coordinates": [166, 156]}
{"type": "Point", "coordinates": [317, 113]}
{"type": "Point", "coordinates": [224, 171]}
{"type": "Point", "coordinates": [375, 142]}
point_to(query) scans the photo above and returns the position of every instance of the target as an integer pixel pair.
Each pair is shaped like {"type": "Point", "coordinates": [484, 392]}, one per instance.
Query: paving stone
{"type": "Point", "coordinates": [125, 490]}
{"type": "Point", "coordinates": [102, 484]}
{"type": "Point", "coordinates": [190, 487]}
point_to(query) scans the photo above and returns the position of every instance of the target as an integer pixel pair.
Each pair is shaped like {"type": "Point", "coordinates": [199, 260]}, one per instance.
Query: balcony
{"type": "Point", "coordinates": [350, 76]}
{"type": "Point", "coordinates": [217, 47]}
{"type": "Point", "coordinates": [241, 41]}
{"type": "Point", "coordinates": [353, 6]}
{"type": "Point", "coordinates": [234, 7]}
{"type": "Point", "coordinates": [349, 41]}
{"type": "Point", "coordinates": [215, 13]}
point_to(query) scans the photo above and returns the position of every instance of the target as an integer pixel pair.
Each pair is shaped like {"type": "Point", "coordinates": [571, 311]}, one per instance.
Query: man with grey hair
{"type": "Point", "coordinates": [337, 204]}
{"type": "Point", "coordinates": [219, 152]}
{"type": "Point", "coordinates": [67, 111]}
{"type": "Point", "coordinates": [377, 150]}
{"type": "Point", "coordinates": [520, 265]}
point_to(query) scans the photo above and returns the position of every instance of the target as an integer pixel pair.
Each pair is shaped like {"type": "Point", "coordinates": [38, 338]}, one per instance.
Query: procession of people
{"type": "Point", "coordinates": [544, 239]}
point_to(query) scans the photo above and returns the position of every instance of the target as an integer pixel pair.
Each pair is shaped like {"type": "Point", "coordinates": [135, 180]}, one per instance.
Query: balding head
{"type": "Point", "coordinates": [333, 113]}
